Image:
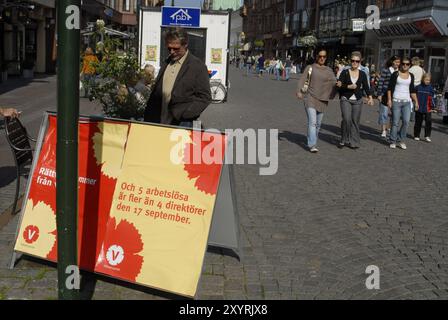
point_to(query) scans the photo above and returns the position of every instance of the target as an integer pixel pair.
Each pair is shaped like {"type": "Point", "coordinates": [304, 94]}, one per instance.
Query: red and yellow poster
{"type": "Point", "coordinates": [143, 217]}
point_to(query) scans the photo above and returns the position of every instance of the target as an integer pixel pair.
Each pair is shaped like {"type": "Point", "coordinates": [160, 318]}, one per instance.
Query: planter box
{"type": "Point", "coordinates": [28, 73]}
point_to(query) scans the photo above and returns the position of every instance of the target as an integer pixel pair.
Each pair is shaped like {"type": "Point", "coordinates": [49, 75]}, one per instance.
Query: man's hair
{"type": "Point", "coordinates": [176, 33]}
{"type": "Point", "coordinates": [391, 60]}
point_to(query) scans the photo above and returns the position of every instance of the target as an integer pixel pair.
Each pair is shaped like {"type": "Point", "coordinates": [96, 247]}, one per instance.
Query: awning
{"type": "Point", "coordinates": [109, 32]}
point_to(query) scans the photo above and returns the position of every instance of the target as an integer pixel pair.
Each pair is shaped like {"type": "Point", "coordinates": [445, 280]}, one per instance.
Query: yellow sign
{"type": "Point", "coordinates": [217, 56]}
{"type": "Point", "coordinates": [151, 53]}
{"type": "Point", "coordinates": [146, 199]}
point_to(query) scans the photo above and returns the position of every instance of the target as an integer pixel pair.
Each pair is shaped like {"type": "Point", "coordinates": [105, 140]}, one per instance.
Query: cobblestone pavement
{"type": "Point", "coordinates": [310, 231]}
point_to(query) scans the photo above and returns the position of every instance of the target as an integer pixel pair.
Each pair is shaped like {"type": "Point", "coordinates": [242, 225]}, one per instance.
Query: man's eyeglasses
{"type": "Point", "coordinates": [406, 64]}
{"type": "Point", "coordinates": [357, 61]}
{"type": "Point", "coordinates": [173, 49]}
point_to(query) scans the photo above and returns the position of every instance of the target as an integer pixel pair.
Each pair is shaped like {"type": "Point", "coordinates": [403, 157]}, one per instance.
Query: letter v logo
{"type": "Point", "coordinates": [115, 255]}
{"type": "Point", "coordinates": [31, 233]}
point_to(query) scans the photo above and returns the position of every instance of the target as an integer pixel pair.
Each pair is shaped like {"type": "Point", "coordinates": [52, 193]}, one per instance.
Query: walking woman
{"type": "Point", "coordinates": [353, 83]}
{"type": "Point", "coordinates": [399, 93]}
{"type": "Point", "coordinates": [392, 65]}
{"type": "Point", "coordinates": [317, 85]}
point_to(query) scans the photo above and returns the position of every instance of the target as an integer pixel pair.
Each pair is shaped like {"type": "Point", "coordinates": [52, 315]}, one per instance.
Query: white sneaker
{"type": "Point", "coordinates": [314, 150]}
{"type": "Point", "coordinates": [384, 134]}
{"type": "Point", "coordinates": [392, 145]}
{"type": "Point", "coordinates": [427, 139]}
{"type": "Point", "coordinates": [416, 138]}
{"type": "Point", "coordinates": [402, 145]}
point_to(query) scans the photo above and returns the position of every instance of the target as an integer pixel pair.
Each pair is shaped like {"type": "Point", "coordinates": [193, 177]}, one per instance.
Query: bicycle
{"type": "Point", "coordinates": [217, 89]}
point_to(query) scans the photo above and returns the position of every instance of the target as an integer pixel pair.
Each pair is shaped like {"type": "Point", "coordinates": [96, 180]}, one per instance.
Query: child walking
{"type": "Point", "coordinates": [426, 96]}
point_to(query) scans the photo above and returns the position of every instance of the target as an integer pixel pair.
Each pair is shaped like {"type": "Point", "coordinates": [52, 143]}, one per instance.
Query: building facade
{"type": "Point", "coordinates": [413, 28]}
{"type": "Point", "coordinates": [27, 35]}
{"type": "Point", "coordinates": [263, 22]}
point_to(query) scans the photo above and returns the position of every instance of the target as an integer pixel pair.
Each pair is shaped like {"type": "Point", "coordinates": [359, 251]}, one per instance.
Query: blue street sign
{"type": "Point", "coordinates": [183, 17]}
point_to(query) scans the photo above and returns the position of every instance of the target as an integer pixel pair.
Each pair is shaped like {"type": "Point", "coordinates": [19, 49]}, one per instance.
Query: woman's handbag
{"type": "Point", "coordinates": [307, 82]}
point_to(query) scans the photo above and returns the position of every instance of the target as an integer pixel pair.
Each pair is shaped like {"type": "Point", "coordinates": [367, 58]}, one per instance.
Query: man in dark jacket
{"type": "Point", "coordinates": [181, 91]}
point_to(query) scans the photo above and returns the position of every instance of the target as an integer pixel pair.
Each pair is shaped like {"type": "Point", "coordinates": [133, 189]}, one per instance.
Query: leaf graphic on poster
{"type": "Point", "coordinates": [37, 229]}
{"type": "Point", "coordinates": [108, 146]}
{"type": "Point", "coordinates": [120, 251]}
{"type": "Point", "coordinates": [203, 159]}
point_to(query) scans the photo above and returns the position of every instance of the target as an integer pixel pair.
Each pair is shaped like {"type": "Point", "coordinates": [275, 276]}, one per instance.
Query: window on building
{"type": "Point", "coordinates": [305, 20]}
{"type": "Point", "coordinates": [126, 5]}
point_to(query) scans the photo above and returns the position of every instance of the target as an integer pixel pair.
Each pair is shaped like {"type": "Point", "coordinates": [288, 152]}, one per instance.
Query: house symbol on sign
{"type": "Point", "coordinates": [181, 15]}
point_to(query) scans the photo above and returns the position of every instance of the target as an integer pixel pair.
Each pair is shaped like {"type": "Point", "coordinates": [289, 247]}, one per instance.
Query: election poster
{"type": "Point", "coordinates": [145, 202]}
{"type": "Point", "coordinates": [216, 56]}
{"type": "Point", "coordinates": [151, 53]}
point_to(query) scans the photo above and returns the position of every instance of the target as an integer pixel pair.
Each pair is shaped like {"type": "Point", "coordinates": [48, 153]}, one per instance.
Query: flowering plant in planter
{"type": "Point", "coordinates": [120, 86]}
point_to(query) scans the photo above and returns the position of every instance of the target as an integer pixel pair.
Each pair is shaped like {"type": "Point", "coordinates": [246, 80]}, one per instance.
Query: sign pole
{"type": "Point", "coordinates": [68, 14]}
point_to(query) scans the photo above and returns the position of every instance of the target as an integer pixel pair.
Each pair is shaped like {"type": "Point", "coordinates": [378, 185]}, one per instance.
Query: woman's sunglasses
{"type": "Point", "coordinates": [405, 64]}
{"type": "Point", "coordinates": [357, 61]}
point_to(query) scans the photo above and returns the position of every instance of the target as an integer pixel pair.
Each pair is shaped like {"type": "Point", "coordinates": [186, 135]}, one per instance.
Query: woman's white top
{"type": "Point", "coordinates": [354, 80]}
{"type": "Point", "coordinates": [401, 91]}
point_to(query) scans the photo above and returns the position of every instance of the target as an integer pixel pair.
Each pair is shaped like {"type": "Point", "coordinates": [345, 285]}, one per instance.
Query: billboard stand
{"type": "Point", "coordinates": [33, 236]}
{"type": "Point", "coordinates": [40, 138]}
{"type": "Point", "coordinates": [224, 231]}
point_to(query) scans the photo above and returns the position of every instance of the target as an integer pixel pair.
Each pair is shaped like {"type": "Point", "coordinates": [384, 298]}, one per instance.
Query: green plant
{"type": "Point", "coordinates": [117, 75]}
{"type": "Point", "coordinates": [115, 86]}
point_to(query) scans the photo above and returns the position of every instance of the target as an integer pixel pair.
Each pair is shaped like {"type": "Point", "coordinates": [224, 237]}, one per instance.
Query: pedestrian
{"type": "Point", "coordinates": [445, 95]}
{"type": "Point", "coordinates": [248, 65]}
{"type": "Point", "coordinates": [9, 112]}
{"type": "Point", "coordinates": [418, 73]}
{"type": "Point", "coordinates": [181, 91]}
{"type": "Point", "coordinates": [260, 65]}
{"type": "Point", "coordinates": [88, 71]}
{"type": "Point", "coordinates": [392, 65]}
{"type": "Point", "coordinates": [400, 93]}
{"type": "Point", "coordinates": [364, 69]}
{"type": "Point", "coordinates": [316, 87]}
{"type": "Point", "coordinates": [426, 101]}
{"type": "Point", "coordinates": [278, 68]}
{"type": "Point", "coordinates": [288, 66]}
{"type": "Point", "coordinates": [352, 83]}
{"type": "Point", "coordinates": [272, 64]}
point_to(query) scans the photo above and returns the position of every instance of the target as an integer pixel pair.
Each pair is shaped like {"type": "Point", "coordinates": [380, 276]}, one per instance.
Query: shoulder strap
{"type": "Point", "coordinates": [310, 71]}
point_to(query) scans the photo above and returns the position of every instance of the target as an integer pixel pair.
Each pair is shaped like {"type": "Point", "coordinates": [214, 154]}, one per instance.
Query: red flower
{"type": "Point", "coordinates": [119, 255]}
{"type": "Point", "coordinates": [204, 158]}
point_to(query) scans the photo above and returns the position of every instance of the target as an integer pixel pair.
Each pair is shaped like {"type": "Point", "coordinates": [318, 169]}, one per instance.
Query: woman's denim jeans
{"type": "Point", "coordinates": [400, 110]}
{"type": "Point", "coordinates": [314, 123]}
